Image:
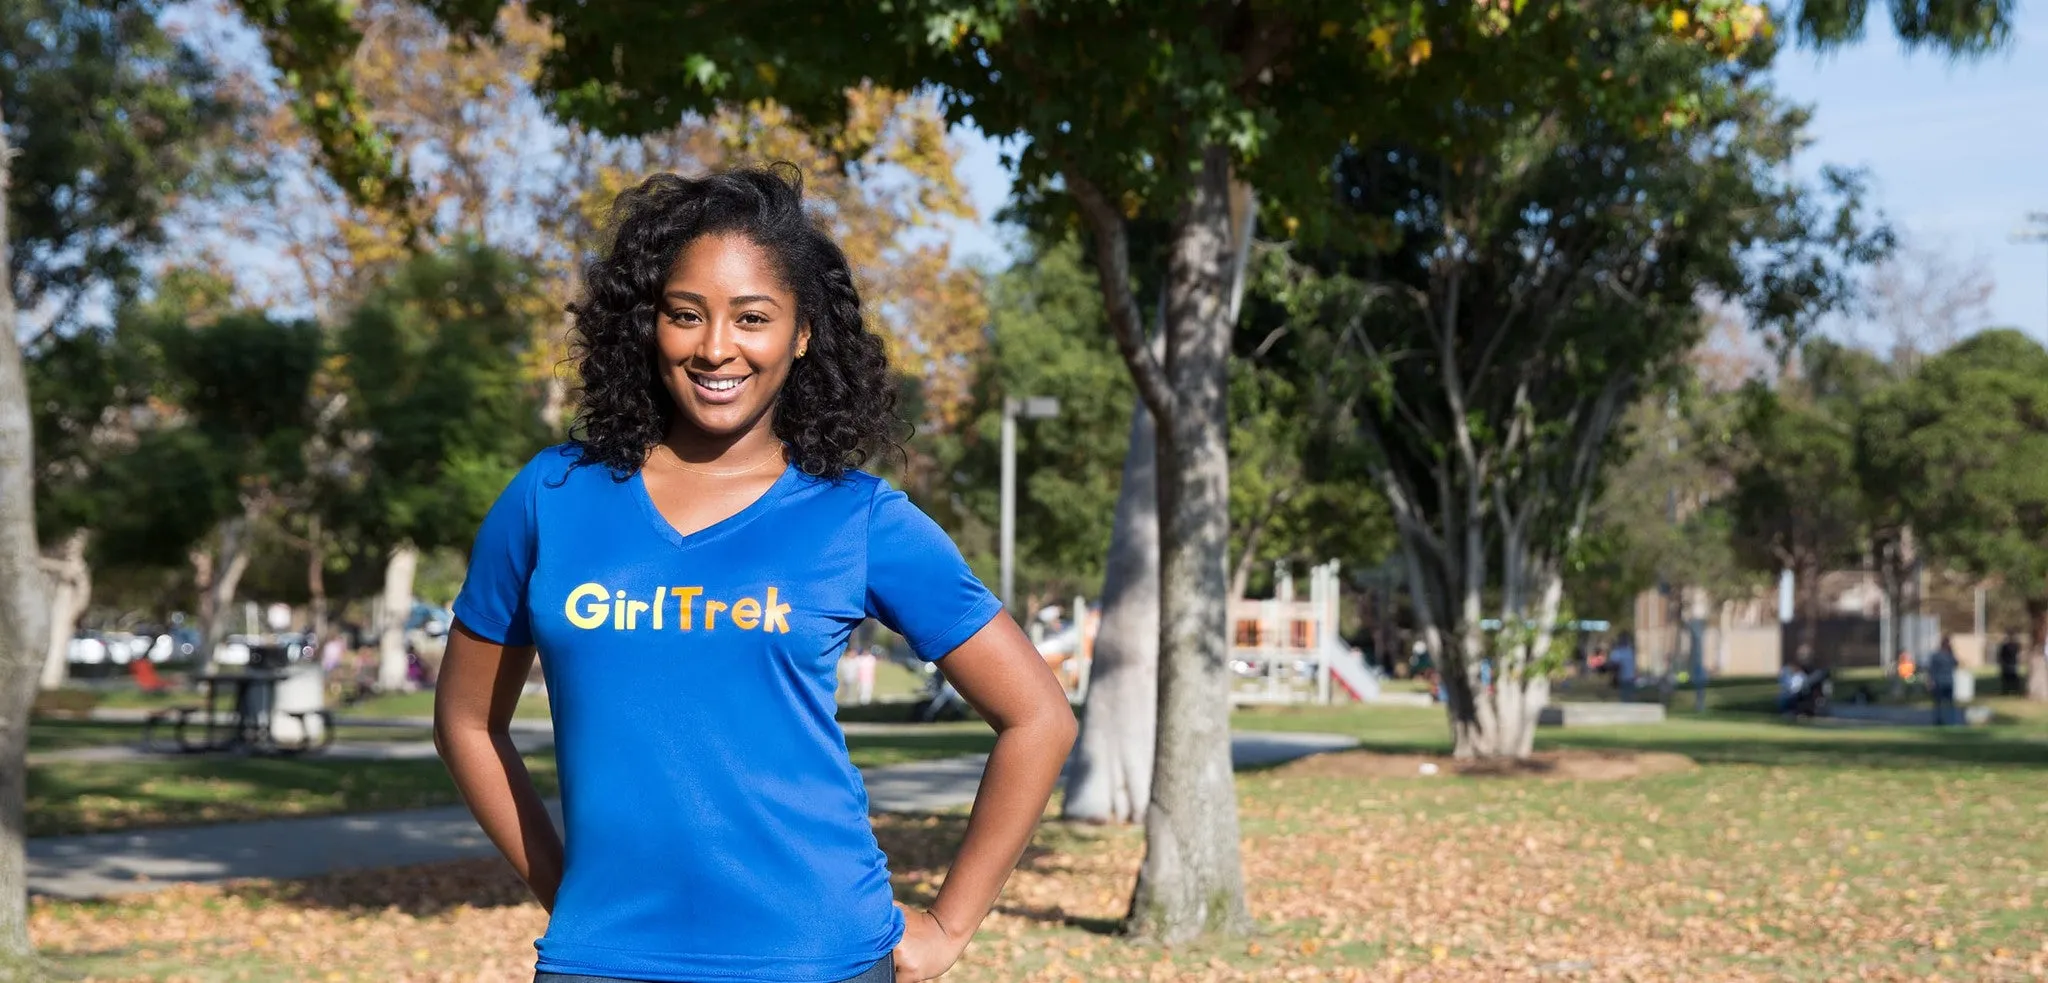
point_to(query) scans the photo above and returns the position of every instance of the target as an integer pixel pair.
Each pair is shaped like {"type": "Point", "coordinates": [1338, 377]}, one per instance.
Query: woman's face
{"type": "Point", "coordinates": [727, 335]}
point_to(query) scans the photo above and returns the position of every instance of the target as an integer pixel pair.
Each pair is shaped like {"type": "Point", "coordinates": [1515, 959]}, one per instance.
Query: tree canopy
{"type": "Point", "coordinates": [114, 122]}
{"type": "Point", "coordinates": [1962, 446]}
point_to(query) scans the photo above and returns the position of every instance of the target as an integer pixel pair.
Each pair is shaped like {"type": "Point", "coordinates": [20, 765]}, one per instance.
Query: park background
{"type": "Point", "coordinates": [1580, 285]}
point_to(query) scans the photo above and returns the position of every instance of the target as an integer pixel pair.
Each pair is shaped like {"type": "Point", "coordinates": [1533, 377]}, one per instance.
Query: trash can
{"type": "Point", "coordinates": [295, 716]}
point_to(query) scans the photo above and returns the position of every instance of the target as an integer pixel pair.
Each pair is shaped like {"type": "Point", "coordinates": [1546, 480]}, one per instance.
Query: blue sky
{"type": "Point", "coordinates": [1957, 152]}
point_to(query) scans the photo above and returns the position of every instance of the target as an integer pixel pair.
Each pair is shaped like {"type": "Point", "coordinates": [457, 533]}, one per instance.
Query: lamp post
{"type": "Point", "coordinates": [1030, 408]}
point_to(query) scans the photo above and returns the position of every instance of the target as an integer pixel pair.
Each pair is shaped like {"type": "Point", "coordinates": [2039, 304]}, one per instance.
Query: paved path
{"type": "Point", "coordinates": [105, 864]}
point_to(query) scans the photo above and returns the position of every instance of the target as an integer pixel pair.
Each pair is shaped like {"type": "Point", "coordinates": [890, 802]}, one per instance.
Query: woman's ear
{"type": "Point", "coordinates": [803, 340]}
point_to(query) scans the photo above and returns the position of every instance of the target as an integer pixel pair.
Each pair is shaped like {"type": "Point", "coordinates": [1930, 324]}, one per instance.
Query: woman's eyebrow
{"type": "Point", "coordinates": [741, 299]}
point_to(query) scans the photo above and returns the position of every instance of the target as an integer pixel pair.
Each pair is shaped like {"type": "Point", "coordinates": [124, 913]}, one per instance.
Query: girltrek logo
{"type": "Point", "coordinates": [593, 606]}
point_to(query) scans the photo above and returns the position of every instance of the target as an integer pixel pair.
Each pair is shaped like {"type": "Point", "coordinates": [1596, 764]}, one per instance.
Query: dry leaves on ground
{"type": "Point", "coordinates": [1726, 873]}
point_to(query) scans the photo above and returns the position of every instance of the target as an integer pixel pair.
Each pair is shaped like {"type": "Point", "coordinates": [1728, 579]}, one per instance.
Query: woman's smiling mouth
{"type": "Point", "coordinates": [719, 389]}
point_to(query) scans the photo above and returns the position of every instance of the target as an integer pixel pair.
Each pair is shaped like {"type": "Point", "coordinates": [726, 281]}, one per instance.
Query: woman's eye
{"type": "Point", "coordinates": [752, 318]}
{"type": "Point", "coordinates": [684, 317]}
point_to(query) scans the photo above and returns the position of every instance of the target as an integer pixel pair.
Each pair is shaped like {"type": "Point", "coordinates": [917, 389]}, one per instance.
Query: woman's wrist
{"type": "Point", "coordinates": [946, 924]}
{"type": "Point", "coordinates": [955, 930]}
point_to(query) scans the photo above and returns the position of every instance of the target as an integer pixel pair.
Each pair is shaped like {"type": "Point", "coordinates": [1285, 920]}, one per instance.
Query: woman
{"type": "Point", "coordinates": [689, 569]}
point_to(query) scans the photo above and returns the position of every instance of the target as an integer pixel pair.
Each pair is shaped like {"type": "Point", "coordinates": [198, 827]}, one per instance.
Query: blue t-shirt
{"type": "Point", "coordinates": [714, 827]}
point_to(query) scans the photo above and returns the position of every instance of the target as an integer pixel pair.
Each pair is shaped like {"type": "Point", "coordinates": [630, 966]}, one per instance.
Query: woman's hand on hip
{"type": "Point", "coordinates": [927, 949]}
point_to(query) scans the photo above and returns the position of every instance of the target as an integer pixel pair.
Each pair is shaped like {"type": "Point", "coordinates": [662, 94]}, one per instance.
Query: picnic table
{"type": "Point", "coordinates": [248, 722]}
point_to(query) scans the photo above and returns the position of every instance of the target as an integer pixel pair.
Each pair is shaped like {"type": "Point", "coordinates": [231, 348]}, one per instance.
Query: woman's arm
{"type": "Point", "coordinates": [473, 700]}
{"type": "Point", "coordinates": [1002, 675]}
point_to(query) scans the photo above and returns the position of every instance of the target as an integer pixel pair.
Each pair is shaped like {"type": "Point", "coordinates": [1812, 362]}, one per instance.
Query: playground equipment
{"type": "Point", "coordinates": [1282, 650]}
{"type": "Point", "coordinates": [1286, 650]}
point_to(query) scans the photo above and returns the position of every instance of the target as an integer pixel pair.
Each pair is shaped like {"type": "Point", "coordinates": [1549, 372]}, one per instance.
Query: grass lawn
{"type": "Point", "coordinates": [1792, 853]}
{"type": "Point", "coordinates": [92, 797]}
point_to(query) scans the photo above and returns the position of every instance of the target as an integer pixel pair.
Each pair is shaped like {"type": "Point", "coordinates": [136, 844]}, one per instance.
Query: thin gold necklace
{"type": "Point", "coordinates": [678, 464]}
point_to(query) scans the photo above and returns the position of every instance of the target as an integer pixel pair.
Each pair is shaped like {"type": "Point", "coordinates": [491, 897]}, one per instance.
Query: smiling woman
{"type": "Point", "coordinates": [689, 571]}
{"type": "Point", "coordinates": [727, 282]}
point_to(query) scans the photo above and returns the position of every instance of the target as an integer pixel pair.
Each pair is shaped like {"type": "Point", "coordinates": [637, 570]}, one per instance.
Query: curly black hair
{"type": "Point", "coordinates": [836, 410]}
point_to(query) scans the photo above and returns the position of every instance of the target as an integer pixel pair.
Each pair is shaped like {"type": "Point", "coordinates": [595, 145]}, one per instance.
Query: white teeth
{"type": "Point", "coordinates": [719, 385]}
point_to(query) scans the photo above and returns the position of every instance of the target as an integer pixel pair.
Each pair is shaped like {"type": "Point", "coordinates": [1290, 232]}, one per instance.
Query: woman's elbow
{"type": "Point", "coordinates": [1064, 728]}
{"type": "Point", "coordinates": [453, 731]}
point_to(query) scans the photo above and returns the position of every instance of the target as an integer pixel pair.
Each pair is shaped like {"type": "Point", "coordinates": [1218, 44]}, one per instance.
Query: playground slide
{"type": "Point", "coordinates": [1352, 675]}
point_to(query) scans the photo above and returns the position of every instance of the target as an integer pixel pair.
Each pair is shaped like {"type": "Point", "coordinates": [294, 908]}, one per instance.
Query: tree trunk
{"type": "Point", "coordinates": [1111, 777]}
{"type": "Point", "coordinates": [1192, 878]}
{"type": "Point", "coordinates": [70, 584]}
{"type": "Point", "coordinates": [316, 578]}
{"type": "Point", "coordinates": [1807, 598]}
{"type": "Point", "coordinates": [23, 630]}
{"type": "Point", "coordinates": [1241, 570]}
{"type": "Point", "coordinates": [218, 575]}
{"type": "Point", "coordinates": [397, 609]}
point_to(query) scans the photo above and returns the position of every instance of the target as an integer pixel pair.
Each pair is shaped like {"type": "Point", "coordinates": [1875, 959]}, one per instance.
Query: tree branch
{"type": "Point", "coordinates": [1113, 269]}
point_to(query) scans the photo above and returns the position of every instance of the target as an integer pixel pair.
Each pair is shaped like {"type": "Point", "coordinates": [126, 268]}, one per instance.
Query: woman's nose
{"type": "Point", "coordinates": [716, 345]}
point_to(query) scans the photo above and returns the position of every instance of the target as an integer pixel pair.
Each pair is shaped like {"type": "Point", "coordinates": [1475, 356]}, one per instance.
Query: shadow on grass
{"type": "Point", "coordinates": [921, 847]}
{"type": "Point", "coordinates": [91, 797]}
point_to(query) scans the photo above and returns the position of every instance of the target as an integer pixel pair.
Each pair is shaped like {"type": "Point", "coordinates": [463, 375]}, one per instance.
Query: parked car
{"type": "Point", "coordinates": [87, 649]}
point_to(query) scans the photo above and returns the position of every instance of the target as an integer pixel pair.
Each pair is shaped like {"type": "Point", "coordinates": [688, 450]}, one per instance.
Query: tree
{"type": "Point", "coordinates": [1923, 301]}
{"type": "Point", "coordinates": [1299, 487]}
{"type": "Point", "coordinates": [1962, 445]}
{"type": "Point", "coordinates": [1662, 517]}
{"type": "Point", "coordinates": [441, 411]}
{"type": "Point", "coordinates": [1796, 504]}
{"type": "Point", "coordinates": [84, 388]}
{"type": "Point", "coordinates": [23, 608]}
{"type": "Point", "coordinates": [1792, 508]}
{"type": "Point", "coordinates": [242, 384]}
{"type": "Point", "coordinates": [1046, 339]}
{"type": "Point", "coordinates": [115, 123]}
{"type": "Point", "coordinates": [1534, 284]}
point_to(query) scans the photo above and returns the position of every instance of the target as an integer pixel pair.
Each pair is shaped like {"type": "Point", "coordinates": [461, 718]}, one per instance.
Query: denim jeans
{"type": "Point", "coordinates": [881, 972]}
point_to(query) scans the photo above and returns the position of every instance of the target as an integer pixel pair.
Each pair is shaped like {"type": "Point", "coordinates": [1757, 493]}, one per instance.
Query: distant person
{"type": "Point", "coordinates": [1623, 659]}
{"type": "Point", "coordinates": [2009, 667]}
{"type": "Point", "coordinates": [1941, 681]}
{"type": "Point", "coordinates": [689, 568]}
{"type": "Point", "coordinates": [331, 652]}
{"type": "Point", "coordinates": [864, 674]}
{"type": "Point", "coordinates": [1791, 683]}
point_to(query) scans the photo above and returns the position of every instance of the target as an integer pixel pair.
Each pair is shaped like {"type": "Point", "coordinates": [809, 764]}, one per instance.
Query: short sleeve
{"type": "Point", "coordinates": [918, 584]}
{"type": "Point", "coordinates": [493, 598]}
